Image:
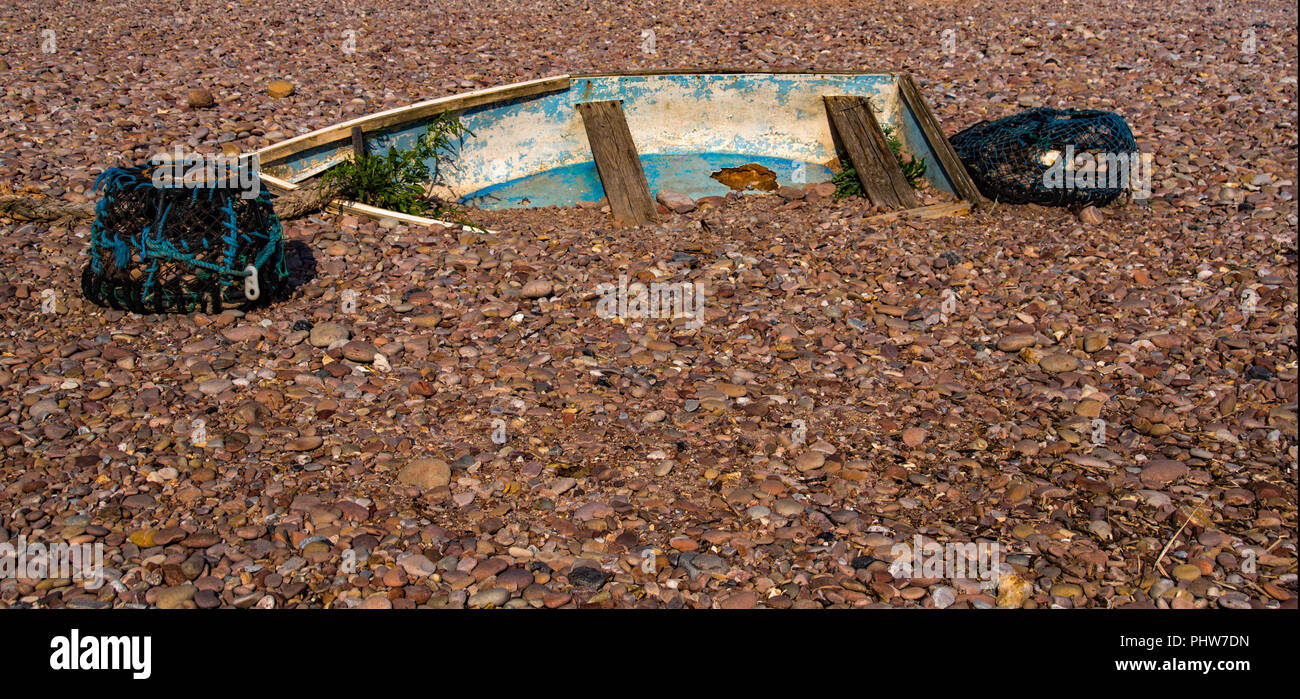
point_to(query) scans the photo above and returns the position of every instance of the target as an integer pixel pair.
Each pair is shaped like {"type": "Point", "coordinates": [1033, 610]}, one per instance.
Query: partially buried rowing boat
{"type": "Point", "coordinates": [577, 138]}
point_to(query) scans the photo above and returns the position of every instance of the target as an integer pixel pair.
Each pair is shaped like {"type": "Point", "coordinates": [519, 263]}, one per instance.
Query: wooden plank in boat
{"type": "Point", "coordinates": [948, 160]}
{"type": "Point", "coordinates": [932, 211]}
{"type": "Point", "coordinates": [280, 186]}
{"type": "Point", "coordinates": [617, 161]}
{"type": "Point", "coordinates": [378, 214]}
{"type": "Point", "coordinates": [320, 167]}
{"type": "Point", "coordinates": [358, 141]}
{"type": "Point", "coordinates": [860, 135]}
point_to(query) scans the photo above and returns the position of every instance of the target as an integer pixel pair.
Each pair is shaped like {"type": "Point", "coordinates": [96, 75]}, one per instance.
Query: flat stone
{"type": "Point", "coordinates": [682, 543]}
{"type": "Point", "coordinates": [592, 510]}
{"type": "Point", "coordinates": [43, 408]}
{"type": "Point", "coordinates": [809, 461]}
{"type": "Point", "coordinates": [199, 98]}
{"type": "Point", "coordinates": [491, 597]}
{"type": "Point", "coordinates": [1088, 408]}
{"type": "Point", "coordinates": [207, 599]}
{"type": "Point", "coordinates": [214, 386]}
{"type": "Point", "coordinates": [1095, 342]}
{"type": "Point", "coordinates": [675, 201]}
{"type": "Point", "coordinates": [789, 193]}
{"type": "Point", "coordinates": [588, 578]}
{"type": "Point", "coordinates": [425, 473]}
{"type": "Point", "coordinates": [913, 436]}
{"type": "Point", "coordinates": [787, 507]}
{"type": "Point", "coordinates": [307, 443]}
{"type": "Point", "coordinates": [175, 597]}
{"type": "Point", "coordinates": [745, 599]}
{"type": "Point", "coordinates": [326, 334]}
{"type": "Point", "coordinates": [943, 596]}
{"type": "Point", "coordinates": [359, 351]}
{"type": "Point", "coordinates": [537, 288]}
{"type": "Point", "coordinates": [243, 333]}
{"type": "Point", "coordinates": [417, 565]}
{"type": "Point", "coordinates": [279, 88]}
{"type": "Point", "coordinates": [1015, 343]}
{"type": "Point", "coordinates": [1161, 472]}
{"type": "Point", "coordinates": [1058, 363]}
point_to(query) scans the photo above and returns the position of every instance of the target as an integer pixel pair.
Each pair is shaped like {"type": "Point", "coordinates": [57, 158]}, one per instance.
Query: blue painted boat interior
{"type": "Point", "coordinates": [688, 173]}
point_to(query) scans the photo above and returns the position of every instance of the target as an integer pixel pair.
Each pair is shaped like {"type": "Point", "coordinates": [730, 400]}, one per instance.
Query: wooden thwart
{"type": "Point", "coordinates": [860, 135]}
{"type": "Point", "coordinates": [617, 162]}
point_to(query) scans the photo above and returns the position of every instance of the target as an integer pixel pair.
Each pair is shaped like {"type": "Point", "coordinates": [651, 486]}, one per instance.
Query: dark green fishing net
{"type": "Point", "coordinates": [1009, 159]}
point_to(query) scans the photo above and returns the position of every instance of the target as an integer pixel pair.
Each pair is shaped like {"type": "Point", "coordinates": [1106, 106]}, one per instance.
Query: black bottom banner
{"type": "Point", "coordinates": [951, 648]}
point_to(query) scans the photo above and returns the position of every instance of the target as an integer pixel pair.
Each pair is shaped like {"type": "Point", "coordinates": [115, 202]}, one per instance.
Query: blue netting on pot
{"type": "Point", "coordinates": [178, 249]}
{"type": "Point", "coordinates": [1027, 158]}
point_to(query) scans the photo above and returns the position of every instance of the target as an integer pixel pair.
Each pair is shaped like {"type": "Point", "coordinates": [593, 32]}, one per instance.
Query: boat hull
{"type": "Point", "coordinates": [529, 129]}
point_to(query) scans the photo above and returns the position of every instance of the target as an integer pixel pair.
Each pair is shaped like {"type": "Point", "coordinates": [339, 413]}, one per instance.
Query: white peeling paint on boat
{"type": "Point", "coordinates": [779, 116]}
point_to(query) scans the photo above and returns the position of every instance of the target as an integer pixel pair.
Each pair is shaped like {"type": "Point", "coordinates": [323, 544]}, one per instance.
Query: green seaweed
{"type": "Point", "coordinates": [847, 184]}
{"type": "Point", "coordinates": [914, 170]}
{"type": "Point", "coordinates": [398, 180]}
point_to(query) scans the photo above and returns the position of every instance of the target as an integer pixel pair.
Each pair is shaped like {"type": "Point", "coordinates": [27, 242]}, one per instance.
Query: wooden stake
{"type": "Point", "coordinates": [617, 162]}
{"type": "Point", "coordinates": [358, 141]}
{"type": "Point", "coordinates": [860, 135]}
